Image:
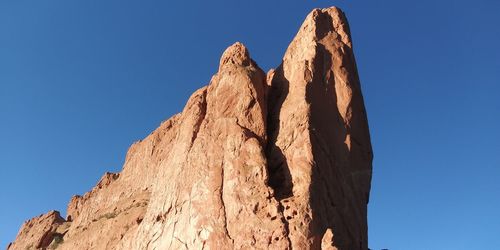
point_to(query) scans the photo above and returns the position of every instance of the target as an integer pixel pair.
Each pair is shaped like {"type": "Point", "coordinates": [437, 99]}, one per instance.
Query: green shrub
{"type": "Point", "coordinates": [58, 240]}
{"type": "Point", "coordinates": [110, 215]}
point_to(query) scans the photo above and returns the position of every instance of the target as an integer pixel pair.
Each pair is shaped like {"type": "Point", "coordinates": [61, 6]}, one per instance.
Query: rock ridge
{"type": "Point", "coordinates": [269, 161]}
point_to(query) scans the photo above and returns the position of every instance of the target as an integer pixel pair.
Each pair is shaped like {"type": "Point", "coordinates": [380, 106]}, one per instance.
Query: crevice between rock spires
{"type": "Point", "coordinates": [280, 179]}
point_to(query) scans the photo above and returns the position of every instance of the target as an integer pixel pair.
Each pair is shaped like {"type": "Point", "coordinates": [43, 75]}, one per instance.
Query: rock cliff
{"type": "Point", "coordinates": [268, 161]}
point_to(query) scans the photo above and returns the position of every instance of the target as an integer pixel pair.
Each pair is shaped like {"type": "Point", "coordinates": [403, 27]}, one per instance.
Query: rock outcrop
{"type": "Point", "coordinates": [269, 161]}
{"type": "Point", "coordinates": [39, 232]}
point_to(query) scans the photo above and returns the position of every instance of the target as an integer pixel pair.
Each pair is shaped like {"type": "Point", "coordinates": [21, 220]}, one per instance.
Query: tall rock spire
{"type": "Point", "coordinates": [281, 161]}
{"type": "Point", "coordinates": [320, 152]}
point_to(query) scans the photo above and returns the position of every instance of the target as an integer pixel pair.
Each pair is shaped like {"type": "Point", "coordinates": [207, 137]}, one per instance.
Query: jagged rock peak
{"type": "Point", "coordinates": [321, 22]}
{"type": "Point", "coordinates": [236, 54]}
{"type": "Point", "coordinates": [282, 162]}
{"type": "Point", "coordinates": [39, 232]}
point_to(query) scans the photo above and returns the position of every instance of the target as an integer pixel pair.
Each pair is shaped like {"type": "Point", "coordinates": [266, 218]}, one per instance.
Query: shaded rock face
{"type": "Point", "coordinates": [38, 232]}
{"type": "Point", "coordinates": [320, 152]}
{"type": "Point", "coordinates": [280, 161]}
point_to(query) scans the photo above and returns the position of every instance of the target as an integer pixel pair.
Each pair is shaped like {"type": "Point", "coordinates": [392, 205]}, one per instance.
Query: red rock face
{"type": "Point", "coordinates": [38, 232]}
{"type": "Point", "coordinates": [320, 152]}
{"type": "Point", "coordinates": [281, 161]}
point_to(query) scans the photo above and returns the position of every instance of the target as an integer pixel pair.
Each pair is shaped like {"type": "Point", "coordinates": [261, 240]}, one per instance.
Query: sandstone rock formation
{"type": "Point", "coordinates": [276, 161]}
{"type": "Point", "coordinates": [39, 232]}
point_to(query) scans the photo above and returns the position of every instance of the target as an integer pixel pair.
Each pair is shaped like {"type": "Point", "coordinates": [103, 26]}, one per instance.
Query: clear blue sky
{"type": "Point", "coordinates": [81, 80]}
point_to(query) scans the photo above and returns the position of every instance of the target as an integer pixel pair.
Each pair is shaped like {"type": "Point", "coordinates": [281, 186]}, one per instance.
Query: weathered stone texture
{"type": "Point", "coordinates": [268, 161]}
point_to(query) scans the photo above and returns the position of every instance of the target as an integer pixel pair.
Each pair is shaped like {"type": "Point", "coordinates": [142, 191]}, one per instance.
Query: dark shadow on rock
{"type": "Point", "coordinates": [280, 179]}
{"type": "Point", "coordinates": [334, 192]}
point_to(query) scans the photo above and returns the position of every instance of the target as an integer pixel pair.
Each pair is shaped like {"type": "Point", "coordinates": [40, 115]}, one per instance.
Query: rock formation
{"type": "Point", "coordinates": [276, 161]}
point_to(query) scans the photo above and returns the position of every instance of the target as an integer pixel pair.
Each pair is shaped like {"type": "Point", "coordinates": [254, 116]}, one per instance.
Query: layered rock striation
{"type": "Point", "coordinates": [268, 161]}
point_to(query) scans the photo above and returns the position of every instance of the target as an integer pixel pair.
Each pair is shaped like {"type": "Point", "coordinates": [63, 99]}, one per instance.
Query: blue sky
{"type": "Point", "coordinates": [82, 80]}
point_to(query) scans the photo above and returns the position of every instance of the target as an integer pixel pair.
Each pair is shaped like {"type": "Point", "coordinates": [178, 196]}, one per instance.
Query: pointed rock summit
{"type": "Point", "coordinates": [254, 161]}
{"type": "Point", "coordinates": [320, 152]}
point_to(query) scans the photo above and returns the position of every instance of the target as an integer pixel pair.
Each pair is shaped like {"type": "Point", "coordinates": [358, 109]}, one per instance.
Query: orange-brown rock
{"type": "Point", "coordinates": [38, 232]}
{"type": "Point", "coordinates": [320, 152]}
{"type": "Point", "coordinates": [276, 161]}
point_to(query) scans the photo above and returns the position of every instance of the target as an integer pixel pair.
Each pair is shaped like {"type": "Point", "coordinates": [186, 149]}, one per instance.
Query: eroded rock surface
{"type": "Point", "coordinates": [267, 161]}
{"type": "Point", "coordinates": [38, 232]}
{"type": "Point", "coordinates": [320, 152]}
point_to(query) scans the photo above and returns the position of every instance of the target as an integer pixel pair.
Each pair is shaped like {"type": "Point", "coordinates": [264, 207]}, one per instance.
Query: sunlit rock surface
{"type": "Point", "coordinates": [268, 161]}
